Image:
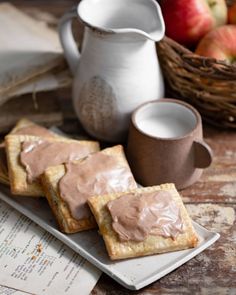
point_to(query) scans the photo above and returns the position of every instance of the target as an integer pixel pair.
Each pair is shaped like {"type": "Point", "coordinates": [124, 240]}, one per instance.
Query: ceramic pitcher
{"type": "Point", "coordinates": [117, 68]}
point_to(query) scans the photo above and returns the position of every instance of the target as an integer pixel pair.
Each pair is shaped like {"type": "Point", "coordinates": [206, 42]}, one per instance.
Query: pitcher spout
{"type": "Point", "coordinates": [151, 23]}
{"type": "Point", "coordinates": [142, 17]}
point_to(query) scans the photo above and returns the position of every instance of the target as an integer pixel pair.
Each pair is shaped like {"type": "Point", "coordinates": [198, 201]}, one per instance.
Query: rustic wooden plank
{"type": "Point", "coordinates": [205, 192]}
{"type": "Point", "coordinates": [218, 182]}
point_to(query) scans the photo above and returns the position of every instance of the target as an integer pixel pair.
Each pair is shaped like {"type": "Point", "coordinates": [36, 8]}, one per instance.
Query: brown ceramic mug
{"type": "Point", "coordinates": [166, 144]}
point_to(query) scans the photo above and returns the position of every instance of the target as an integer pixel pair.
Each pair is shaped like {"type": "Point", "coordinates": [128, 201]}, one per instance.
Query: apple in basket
{"type": "Point", "coordinates": [232, 14]}
{"type": "Point", "coordinates": [220, 43]}
{"type": "Point", "coordinates": [187, 21]}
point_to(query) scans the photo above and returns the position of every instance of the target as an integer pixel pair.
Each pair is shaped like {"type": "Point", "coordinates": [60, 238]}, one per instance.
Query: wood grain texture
{"type": "Point", "coordinates": [211, 202]}
{"type": "Point", "coordinates": [218, 182]}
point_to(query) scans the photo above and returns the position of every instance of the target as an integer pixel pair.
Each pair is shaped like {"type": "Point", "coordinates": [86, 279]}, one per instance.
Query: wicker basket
{"type": "Point", "coordinates": [206, 83]}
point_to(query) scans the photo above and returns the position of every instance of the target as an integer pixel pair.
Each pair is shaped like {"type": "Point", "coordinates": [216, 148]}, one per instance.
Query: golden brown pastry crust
{"type": "Point", "coordinates": [17, 173]}
{"type": "Point", "coordinates": [24, 122]}
{"type": "Point", "coordinates": [153, 244]}
{"type": "Point", "coordinates": [4, 177]}
{"type": "Point", "coordinates": [50, 180]}
{"type": "Point", "coordinates": [60, 209]}
{"type": "Point", "coordinates": [3, 166]}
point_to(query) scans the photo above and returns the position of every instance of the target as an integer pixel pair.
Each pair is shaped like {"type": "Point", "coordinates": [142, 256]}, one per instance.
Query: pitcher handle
{"type": "Point", "coordinates": [203, 154]}
{"type": "Point", "coordinates": [67, 40]}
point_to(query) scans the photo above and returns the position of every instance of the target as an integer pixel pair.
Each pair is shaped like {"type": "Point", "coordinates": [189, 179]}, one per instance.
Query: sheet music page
{"type": "Point", "coordinates": [34, 261]}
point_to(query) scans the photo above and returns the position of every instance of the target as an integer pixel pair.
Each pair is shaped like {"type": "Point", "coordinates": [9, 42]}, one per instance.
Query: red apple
{"type": "Point", "coordinates": [220, 43]}
{"type": "Point", "coordinates": [187, 21]}
{"type": "Point", "coordinates": [232, 14]}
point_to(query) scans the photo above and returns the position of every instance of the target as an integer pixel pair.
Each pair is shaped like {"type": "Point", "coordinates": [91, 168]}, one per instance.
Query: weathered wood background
{"type": "Point", "coordinates": [211, 202]}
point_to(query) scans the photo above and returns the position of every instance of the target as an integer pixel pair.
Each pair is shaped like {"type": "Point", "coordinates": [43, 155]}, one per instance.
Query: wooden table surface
{"type": "Point", "coordinates": [211, 202]}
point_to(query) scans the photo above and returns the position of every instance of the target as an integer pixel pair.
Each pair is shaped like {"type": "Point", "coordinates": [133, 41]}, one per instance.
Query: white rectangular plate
{"type": "Point", "coordinates": [133, 273]}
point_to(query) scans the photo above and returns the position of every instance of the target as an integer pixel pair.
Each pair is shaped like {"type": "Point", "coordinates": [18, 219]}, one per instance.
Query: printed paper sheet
{"type": "Point", "coordinates": [34, 261]}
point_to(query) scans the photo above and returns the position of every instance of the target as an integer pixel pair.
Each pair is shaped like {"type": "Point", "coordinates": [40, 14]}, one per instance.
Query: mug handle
{"type": "Point", "coordinates": [67, 40]}
{"type": "Point", "coordinates": [203, 154]}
